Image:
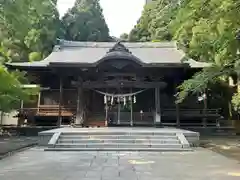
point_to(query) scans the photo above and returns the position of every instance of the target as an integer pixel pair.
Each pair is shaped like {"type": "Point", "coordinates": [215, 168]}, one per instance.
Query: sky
{"type": "Point", "coordinates": [120, 15]}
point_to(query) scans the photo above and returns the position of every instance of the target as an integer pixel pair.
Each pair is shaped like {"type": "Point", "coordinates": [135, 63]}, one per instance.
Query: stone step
{"type": "Point", "coordinates": [97, 123]}
{"type": "Point", "coordinates": [134, 122]}
{"type": "Point", "coordinates": [146, 133]}
{"type": "Point", "coordinates": [77, 136]}
{"type": "Point", "coordinates": [151, 141]}
{"type": "Point", "coordinates": [122, 149]}
{"type": "Point", "coordinates": [117, 145]}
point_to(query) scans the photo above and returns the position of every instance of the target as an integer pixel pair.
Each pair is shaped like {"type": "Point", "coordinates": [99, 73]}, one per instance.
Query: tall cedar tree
{"type": "Point", "coordinates": [85, 22]}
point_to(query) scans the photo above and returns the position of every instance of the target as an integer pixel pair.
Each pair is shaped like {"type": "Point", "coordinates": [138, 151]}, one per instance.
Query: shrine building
{"type": "Point", "coordinates": [112, 84]}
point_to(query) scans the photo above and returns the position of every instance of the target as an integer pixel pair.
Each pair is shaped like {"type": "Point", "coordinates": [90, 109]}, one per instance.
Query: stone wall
{"type": "Point", "coordinates": [9, 119]}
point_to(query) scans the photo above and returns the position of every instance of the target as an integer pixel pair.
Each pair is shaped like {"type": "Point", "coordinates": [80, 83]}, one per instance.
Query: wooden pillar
{"type": "Point", "coordinates": [21, 106]}
{"type": "Point", "coordinates": [205, 109]}
{"type": "Point", "coordinates": [39, 101]}
{"type": "Point", "coordinates": [119, 111]}
{"type": "Point", "coordinates": [22, 117]}
{"type": "Point", "coordinates": [60, 101]}
{"type": "Point", "coordinates": [131, 104]}
{"type": "Point", "coordinates": [80, 110]}
{"type": "Point", "coordinates": [177, 109]}
{"type": "Point", "coordinates": [157, 107]}
{"type": "Point", "coordinates": [177, 115]}
{"type": "Point", "coordinates": [106, 116]}
{"type": "Point", "coordinates": [106, 111]}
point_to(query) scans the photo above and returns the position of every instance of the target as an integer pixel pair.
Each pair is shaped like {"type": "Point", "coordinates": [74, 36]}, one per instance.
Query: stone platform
{"type": "Point", "coordinates": [118, 139]}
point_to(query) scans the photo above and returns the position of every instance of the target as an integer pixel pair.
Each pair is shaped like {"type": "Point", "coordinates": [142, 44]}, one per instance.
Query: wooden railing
{"type": "Point", "coordinates": [49, 110]}
{"type": "Point", "coordinates": [192, 112]}
{"type": "Point", "coordinates": [195, 117]}
{"type": "Point", "coordinates": [146, 118]}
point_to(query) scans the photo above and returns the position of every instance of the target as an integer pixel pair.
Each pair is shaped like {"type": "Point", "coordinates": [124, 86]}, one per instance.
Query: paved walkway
{"type": "Point", "coordinates": [11, 144]}
{"type": "Point", "coordinates": [227, 146]}
{"type": "Point", "coordinates": [35, 164]}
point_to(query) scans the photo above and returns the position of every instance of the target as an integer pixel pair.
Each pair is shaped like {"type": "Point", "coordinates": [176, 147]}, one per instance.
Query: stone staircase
{"type": "Point", "coordinates": [118, 141]}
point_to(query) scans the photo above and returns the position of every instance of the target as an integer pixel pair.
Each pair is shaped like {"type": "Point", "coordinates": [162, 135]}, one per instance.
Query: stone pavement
{"type": "Point", "coordinates": [35, 164]}
{"type": "Point", "coordinates": [228, 146]}
{"type": "Point", "coordinates": [11, 144]}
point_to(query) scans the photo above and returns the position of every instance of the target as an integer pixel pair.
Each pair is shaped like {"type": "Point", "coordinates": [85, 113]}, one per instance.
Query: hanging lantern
{"type": "Point", "coordinates": [112, 100]}
{"type": "Point", "coordinates": [202, 97]}
{"type": "Point", "coordinates": [105, 99]}
{"type": "Point", "coordinates": [134, 99]}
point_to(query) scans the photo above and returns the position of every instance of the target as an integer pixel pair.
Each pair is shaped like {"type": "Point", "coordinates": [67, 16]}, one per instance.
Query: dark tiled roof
{"type": "Point", "coordinates": [147, 53]}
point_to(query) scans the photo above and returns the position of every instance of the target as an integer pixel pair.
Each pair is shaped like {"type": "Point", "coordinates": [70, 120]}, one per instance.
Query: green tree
{"type": "Point", "coordinates": [26, 27]}
{"type": "Point", "coordinates": [154, 22]}
{"type": "Point", "coordinates": [28, 30]}
{"type": "Point", "coordinates": [124, 37]}
{"type": "Point", "coordinates": [207, 31]}
{"type": "Point", "coordinates": [12, 91]}
{"type": "Point", "coordinates": [85, 22]}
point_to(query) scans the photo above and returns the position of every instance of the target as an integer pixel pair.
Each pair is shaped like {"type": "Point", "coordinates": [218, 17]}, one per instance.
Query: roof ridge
{"type": "Point", "coordinates": [91, 44]}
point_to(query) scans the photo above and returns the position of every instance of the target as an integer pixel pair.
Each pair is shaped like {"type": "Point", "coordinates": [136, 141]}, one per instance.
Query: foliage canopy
{"type": "Point", "coordinates": [206, 30]}
{"type": "Point", "coordinates": [28, 30]}
{"type": "Point", "coordinates": [85, 22]}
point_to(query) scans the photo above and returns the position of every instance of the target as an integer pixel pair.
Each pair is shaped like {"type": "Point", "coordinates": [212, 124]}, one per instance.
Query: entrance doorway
{"type": "Point", "coordinates": [144, 108]}
{"type": "Point", "coordinates": [130, 107]}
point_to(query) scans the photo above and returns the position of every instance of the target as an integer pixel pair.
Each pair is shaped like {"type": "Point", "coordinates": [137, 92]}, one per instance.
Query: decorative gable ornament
{"type": "Point", "coordinates": [119, 47]}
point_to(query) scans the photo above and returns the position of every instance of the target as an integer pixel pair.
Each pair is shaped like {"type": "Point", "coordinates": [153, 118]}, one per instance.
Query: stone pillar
{"type": "Point", "coordinates": [157, 107]}
{"type": "Point", "coordinates": [80, 109]}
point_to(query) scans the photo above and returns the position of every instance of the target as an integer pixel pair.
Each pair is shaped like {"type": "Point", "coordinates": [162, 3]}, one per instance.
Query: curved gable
{"type": "Point", "coordinates": [119, 56]}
